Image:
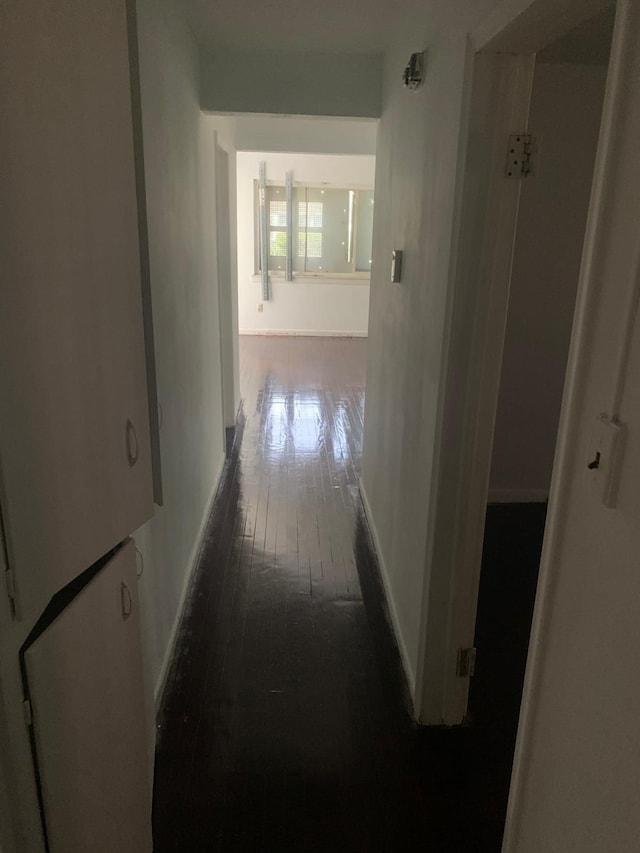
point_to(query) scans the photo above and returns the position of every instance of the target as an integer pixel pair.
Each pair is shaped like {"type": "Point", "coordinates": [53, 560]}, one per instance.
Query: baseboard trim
{"type": "Point", "coordinates": [395, 622]}
{"type": "Point", "coordinates": [518, 496]}
{"type": "Point", "coordinates": [161, 682]}
{"type": "Point", "coordinates": [303, 333]}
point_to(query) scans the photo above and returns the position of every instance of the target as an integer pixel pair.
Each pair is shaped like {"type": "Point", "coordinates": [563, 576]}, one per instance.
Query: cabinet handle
{"type": "Point", "coordinates": [132, 444]}
{"type": "Point", "coordinates": [126, 600]}
{"type": "Point", "coordinates": [139, 563]}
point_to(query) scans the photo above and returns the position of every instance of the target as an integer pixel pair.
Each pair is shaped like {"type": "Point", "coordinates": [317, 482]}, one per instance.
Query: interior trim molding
{"type": "Point", "coordinates": [194, 558]}
{"type": "Point", "coordinates": [304, 333]}
{"type": "Point", "coordinates": [518, 496]}
{"type": "Point", "coordinates": [386, 582]}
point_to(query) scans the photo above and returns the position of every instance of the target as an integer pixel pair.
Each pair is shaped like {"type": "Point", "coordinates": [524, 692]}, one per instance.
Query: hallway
{"type": "Point", "coordinates": [279, 732]}
{"type": "Point", "coordinates": [284, 726]}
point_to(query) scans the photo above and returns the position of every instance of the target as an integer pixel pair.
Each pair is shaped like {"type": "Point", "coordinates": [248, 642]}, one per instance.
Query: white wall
{"type": "Point", "coordinates": [306, 305]}
{"type": "Point", "coordinates": [566, 105]}
{"type": "Point", "coordinates": [420, 156]}
{"type": "Point", "coordinates": [225, 175]}
{"type": "Point", "coordinates": [417, 164]}
{"type": "Point", "coordinates": [179, 151]}
{"type": "Point", "coordinates": [310, 83]}
{"type": "Point", "coordinates": [314, 135]}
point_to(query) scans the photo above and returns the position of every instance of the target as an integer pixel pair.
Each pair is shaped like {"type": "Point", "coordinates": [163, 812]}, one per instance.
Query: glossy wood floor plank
{"type": "Point", "coordinates": [284, 724]}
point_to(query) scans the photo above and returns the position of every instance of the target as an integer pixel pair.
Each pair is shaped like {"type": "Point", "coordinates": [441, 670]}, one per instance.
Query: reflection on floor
{"type": "Point", "coordinates": [284, 723]}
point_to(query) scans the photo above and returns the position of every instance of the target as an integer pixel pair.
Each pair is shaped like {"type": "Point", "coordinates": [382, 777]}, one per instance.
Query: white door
{"type": "Point", "coordinates": [75, 468]}
{"type": "Point", "coordinates": [85, 684]}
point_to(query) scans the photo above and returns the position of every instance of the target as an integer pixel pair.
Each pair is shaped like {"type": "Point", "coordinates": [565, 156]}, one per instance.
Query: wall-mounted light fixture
{"type": "Point", "coordinates": [413, 76]}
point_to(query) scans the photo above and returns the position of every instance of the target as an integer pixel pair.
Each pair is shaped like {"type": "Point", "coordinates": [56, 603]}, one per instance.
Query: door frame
{"type": "Point", "coordinates": [500, 59]}
{"type": "Point", "coordinates": [225, 190]}
{"type": "Point", "coordinates": [592, 281]}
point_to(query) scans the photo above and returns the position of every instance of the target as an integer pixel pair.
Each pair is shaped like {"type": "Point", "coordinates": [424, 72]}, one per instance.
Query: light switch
{"type": "Point", "coordinates": [396, 266]}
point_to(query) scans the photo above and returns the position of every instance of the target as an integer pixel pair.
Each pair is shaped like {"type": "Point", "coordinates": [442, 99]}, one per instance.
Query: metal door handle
{"type": "Point", "coordinates": [140, 562]}
{"type": "Point", "coordinates": [132, 444]}
{"type": "Point", "coordinates": [126, 600]}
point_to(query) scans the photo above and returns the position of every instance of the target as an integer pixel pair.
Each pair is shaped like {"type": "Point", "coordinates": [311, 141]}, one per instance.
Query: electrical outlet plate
{"type": "Point", "coordinates": [605, 458]}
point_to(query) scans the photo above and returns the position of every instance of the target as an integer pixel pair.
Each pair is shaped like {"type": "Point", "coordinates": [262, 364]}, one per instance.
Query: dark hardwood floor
{"type": "Point", "coordinates": [284, 724]}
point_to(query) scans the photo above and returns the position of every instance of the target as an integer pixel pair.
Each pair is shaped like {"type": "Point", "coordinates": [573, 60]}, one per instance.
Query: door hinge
{"type": "Point", "coordinates": [520, 152]}
{"type": "Point", "coordinates": [466, 663]}
{"type": "Point", "coordinates": [26, 710]}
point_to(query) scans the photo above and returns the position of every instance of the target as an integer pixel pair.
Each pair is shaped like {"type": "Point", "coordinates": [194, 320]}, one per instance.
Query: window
{"type": "Point", "coordinates": [332, 230]}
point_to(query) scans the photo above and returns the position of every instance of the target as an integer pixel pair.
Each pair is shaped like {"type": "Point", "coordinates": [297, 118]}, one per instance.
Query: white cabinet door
{"type": "Point", "coordinates": [75, 465]}
{"type": "Point", "coordinates": [85, 683]}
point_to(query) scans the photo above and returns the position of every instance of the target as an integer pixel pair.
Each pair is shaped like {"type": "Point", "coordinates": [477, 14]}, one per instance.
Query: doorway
{"type": "Point", "coordinates": [538, 95]}
{"type": "Point", "coordinates": [506, 54]}
{"type": "Point", "coordinates": [313, 221]}
{"type": "Point", "coordinates": [568, 83]}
